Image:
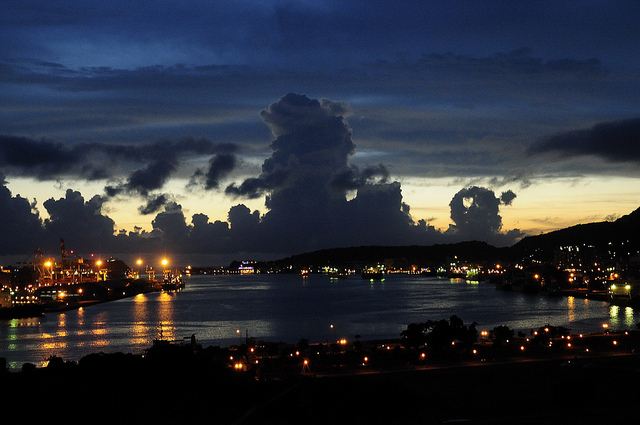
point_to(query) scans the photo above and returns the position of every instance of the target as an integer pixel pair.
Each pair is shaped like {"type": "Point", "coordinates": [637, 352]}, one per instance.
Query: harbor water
{"type": "Point", "coordinates": [223, 310]}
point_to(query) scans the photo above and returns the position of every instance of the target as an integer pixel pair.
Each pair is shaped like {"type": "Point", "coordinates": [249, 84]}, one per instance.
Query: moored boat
{"type": "Point", "coordinates": [172, 281]}
{"type": "Point", "coordinates": [625, 292]}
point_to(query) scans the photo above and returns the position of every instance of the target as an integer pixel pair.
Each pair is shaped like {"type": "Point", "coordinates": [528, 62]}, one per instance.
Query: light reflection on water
{"type": "Point", "coordinates": [288, 308]}
{"type": "Point", "coordinates": [139, 328]}
{"type": "Point", "coordinates": [571, 309]}
{"type": "Point", "coordinates": [622, 317]}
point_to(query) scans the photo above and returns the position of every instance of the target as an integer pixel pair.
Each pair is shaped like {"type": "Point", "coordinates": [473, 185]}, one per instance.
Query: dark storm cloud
{"type": "Point", "coordinates": [79, 222]}
{"type": "Point", "coordinates": [617, 141]}
{"type": "Point", "coordinates": [107, 90]}
{"type": "Point", "coordinates": [47, 159]}
{"type": "Point", "coordinates": [312, 139]}
{"type": "Point", "coordinates": [51, 160]}
{"type": "Point", "coordinates": [154, 204]}
{"type": "Point", "coordinates": [152, 177]}
{"type": "Point", "coordinates": [352, 178]}
{"type": "Point", "coordinates": [475, 212]}
{"type": "Point", "coordinates": [308, 176]}
{"type": "Point", "coordinates": [219, 167]}
{"type": "Point", "coordinates": [433, 108]}
{"type": "Point", "coordinates": [251, 188]}
{"type": "Point", "coordinates": [42, 159]}
{"type": "Point", "coordinates": [306, 181]}
{"type": "Point", "coordinates": [21, 222]}
{"type": "Point", "coordinates": [171, 223]}
{"type": "Point", "coordinates": [507, 197]}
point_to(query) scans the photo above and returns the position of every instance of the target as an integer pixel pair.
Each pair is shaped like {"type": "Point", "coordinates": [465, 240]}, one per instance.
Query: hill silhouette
{"type": "Point", "coordinates": [624, 231]}
{"type": "Point", "coordinates": [423, 256]}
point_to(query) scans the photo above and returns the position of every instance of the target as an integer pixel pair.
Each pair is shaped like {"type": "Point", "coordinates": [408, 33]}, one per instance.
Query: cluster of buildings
{"type": "Point", "coordinates": [47, 284]}
{"type": "Point", "coordinates": [607, 273]}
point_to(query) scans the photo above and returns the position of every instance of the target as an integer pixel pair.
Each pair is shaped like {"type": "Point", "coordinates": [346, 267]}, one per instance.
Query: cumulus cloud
{"type": "Point", "coordinates": [507, 197]}
{"type": "Point", "coordinates": [306, 179]}
{"type": "Point", "coordinates": [308, 176]}
{"type": "Point", "coordinates": [475, 213]}
{"type": "Point", "coordinates": [79, 221]}
{"type": "Point", "coordinates": [155, 174]}
{"type": "Point", "coordinates": [21, 222]}
{"type": "Point", "coordinates": [315, 198]}
{"type": "Point", "coordinates": [172, 226]}
{"type": "Point", "coordinates": [312, 142]}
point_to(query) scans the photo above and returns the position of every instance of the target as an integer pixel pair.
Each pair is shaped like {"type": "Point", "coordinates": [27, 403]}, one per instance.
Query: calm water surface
{"type": "Point", "coordinates": [222, 310]}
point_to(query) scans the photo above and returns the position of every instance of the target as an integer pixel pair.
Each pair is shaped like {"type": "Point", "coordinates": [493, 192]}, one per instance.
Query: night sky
{"type": "Point", "coordinates": [270, 128]}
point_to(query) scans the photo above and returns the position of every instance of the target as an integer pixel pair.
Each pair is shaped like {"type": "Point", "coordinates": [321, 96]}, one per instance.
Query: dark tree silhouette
{"type": "Point", "coordinates": [502, 334]}
{"type": "Point", "coordinates": [414, 336]}
{"type": "Point", "coordinates": [441, 337]}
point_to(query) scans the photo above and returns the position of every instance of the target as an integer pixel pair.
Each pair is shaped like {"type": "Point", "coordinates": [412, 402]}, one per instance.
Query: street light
{"type": "Point", "coordinates": [99, 264]}
{"type": "Point", "coordinates": [335, 335]}
{"type": "Point", "coordinates": [164, 265]}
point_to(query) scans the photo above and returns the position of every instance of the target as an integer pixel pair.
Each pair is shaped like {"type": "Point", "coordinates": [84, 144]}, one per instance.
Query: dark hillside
{"type": "Point", "coordinates": [421, 256]}
{"type": "Point", "coordinates": [625, 230]}
{"type": "Point", "coordinates": [622, 233]}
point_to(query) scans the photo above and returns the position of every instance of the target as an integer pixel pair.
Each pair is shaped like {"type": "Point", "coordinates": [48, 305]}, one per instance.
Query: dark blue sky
{"type": "Point", "coordinates": [133, 112]}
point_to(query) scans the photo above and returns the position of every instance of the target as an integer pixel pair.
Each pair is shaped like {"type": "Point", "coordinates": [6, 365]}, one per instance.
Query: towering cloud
{"type": "Point", "coordinates": [307, 177]}
{"type": "Point", "coordinates": [315, 198]}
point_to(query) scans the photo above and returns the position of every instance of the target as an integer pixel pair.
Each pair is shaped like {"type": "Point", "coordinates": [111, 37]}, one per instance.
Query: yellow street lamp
{"type": "Point", "coordinates": [99, 264]}
{"type": "Point", "coordinates": [139, 263]}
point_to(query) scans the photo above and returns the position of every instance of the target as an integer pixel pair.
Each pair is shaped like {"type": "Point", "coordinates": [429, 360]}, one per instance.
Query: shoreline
{"type": "Point", "coordinates": [548, 343]}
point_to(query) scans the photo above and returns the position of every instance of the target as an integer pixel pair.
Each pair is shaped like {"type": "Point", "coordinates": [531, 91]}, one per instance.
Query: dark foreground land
{"type": "Point", "coordinates": [600, 392]}
{"type": "Point", "coordinates": [597, 390]}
